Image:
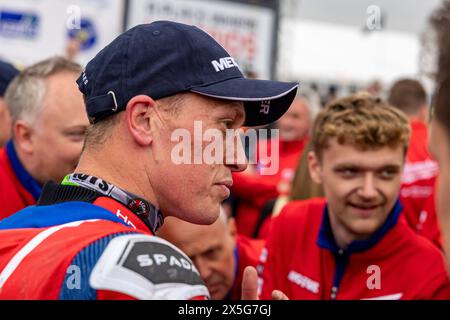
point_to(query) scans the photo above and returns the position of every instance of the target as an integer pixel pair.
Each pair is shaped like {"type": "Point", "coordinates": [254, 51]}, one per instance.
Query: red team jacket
{"type": "Point", "coordinates": [247, 253]}
{"type": "Point", "coordinates": [78, 250]}
{"type": "Point", "coordinates": [17, 188]}
{"type": "Point", "coordinates": [253, 191]}
{"type": "Point", "coordinates": [418, 183]}
{"type": "Point", "coordinates": [303, 260]}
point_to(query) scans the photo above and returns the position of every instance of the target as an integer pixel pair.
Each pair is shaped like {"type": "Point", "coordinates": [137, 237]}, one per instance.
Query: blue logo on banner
{"type": "Point", "coordinates": [87, 35]}
{"type": "Point", "coordinates": [18, 24]}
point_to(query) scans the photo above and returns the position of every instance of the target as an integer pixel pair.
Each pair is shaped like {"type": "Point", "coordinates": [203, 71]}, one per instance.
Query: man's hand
{"type": "Point", "coordinates": [250, 286]}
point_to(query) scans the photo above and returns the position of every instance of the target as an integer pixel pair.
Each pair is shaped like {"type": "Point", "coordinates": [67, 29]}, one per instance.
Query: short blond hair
{"type": "Point", "coordinates": [362, 121]}
{"type": "Point", "coordinates": [26, 92]}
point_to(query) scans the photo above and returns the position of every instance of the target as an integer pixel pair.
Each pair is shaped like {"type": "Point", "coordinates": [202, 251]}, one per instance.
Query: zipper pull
{"type": "Point", "coordinates": [334, 291]}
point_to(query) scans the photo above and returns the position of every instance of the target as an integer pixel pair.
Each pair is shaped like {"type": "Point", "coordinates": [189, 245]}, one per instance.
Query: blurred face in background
{"type": "Point", "coordinates": [296, 122]}
{"type": "Point", "coordinates": [5, 123]}
{"type": "Point", "coordinates": [211, 249]}
{"type": "Point", "coordinates": [54, 141]}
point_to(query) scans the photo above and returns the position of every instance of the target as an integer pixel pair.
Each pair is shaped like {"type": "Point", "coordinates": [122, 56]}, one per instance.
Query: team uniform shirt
{"type": "Point", "coordinates": [254, 190]}
{"type": "Point", "coordinates": [96, 248]}
{"type": "Point", "coordinates": [18, 189]}
{"type": "Point", "coordinates": [418, 184]}
{"type": "Point", "coordinates": [303, 260]}
{"type": "Point", "coordinates": [247, 253]}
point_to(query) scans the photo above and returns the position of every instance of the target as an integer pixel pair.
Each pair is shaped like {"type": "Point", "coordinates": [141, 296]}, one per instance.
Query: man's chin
{"type": "Point", "coordinates": [364, 229]}
{"type": "Point", "coordinates": [201, 216]}
{"type": "Point", "coordinates": [217, 292]}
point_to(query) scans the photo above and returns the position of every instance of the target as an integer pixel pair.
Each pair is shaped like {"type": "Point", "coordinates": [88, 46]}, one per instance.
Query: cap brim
{"type": "Point", "coordinates": [265, 101]}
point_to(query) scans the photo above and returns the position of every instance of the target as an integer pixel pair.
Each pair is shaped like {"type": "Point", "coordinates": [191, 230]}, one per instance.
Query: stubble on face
{"type": "Point", "coordinates": [191, 191]}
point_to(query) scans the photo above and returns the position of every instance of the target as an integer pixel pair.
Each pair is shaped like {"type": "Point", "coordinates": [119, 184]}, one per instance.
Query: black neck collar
{"type": "Point", "coordinates": [86, 188]}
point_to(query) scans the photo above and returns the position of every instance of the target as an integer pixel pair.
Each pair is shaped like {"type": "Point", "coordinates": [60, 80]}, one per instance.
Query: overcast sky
{"type": "Point", "coordinates": [402, 15]}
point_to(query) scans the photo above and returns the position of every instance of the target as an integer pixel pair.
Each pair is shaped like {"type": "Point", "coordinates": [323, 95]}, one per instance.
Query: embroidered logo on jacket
{"type": "Point", "coordinates": [304, 282]}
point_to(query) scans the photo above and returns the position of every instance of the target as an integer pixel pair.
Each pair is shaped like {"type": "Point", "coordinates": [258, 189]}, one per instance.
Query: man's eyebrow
{"type": "Point", "coordinates": [366, 167]}
{"type": "Point", "coordinates": [76, 127]}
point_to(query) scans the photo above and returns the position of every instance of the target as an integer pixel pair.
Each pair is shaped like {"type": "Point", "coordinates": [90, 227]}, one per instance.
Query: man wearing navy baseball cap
{"type": "Point", "coordinates": [7, 74]}
{"type": "Point", "coordinates": [149, 90]}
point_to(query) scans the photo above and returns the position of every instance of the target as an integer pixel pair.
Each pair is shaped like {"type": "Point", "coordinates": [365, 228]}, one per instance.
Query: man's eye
{"type": "Point", "coordinates": [387, 173]}
{"type": "Point", "coordinates": [211, 254]}
{"type": "Point", "coordinates": [348, 172]}
{"type": "Point", "coordinates": [228, 123]}
{"type": "Point", "coordinates": [78, 135]}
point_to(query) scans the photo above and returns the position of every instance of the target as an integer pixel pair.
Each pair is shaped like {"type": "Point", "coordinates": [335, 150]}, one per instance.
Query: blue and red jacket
{"type": "Point", "coordinates": [18, 189]}
{"type": "Point", "coordinates": [303, 260]}
{"type": "Point", "coordinates": [99, 250]}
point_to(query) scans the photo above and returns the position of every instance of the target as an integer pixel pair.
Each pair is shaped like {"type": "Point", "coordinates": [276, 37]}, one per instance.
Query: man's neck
{"type": "Point", "coordinates": [342, 236]}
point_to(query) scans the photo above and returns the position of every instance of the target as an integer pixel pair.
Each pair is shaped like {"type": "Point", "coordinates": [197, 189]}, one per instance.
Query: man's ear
{"type": "Point", "coordinates": [423, 113]}
{"type": "Point", "coordinates": [23, 136]}
{"type": "Point", "coordinates": [315, 168]}
{"type": "Point", "coordinates": [138, 112]}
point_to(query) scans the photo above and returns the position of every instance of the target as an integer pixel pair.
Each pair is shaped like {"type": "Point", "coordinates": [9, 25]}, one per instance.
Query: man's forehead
{"type": "Point", "coordinates": [236, 106]}
{"type": "Point", "coordinates": [346, 154]}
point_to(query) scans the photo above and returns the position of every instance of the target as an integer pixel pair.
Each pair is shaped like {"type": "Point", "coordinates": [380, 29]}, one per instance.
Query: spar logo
{"type": "Point", "coordinates": [16, 24]}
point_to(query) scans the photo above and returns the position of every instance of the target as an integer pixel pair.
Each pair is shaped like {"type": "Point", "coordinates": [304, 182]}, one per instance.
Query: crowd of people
{"type": "Point", "coordinates": [92, 205]}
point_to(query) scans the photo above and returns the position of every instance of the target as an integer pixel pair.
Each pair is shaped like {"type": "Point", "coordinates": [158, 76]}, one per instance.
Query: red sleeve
{"type": "Point", "coordinates": [420, 212]}
{"type": "Point", "coordinates": [271, 267]}
{"type": "Point", "coordinates": [112, 295]}
{"type": "Point", "coordinates": [437, 289]}
{"type": "Point", "coordinates": [251, 186]}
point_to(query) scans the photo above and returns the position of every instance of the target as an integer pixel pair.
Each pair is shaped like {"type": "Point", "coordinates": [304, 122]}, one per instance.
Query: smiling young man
{"type": "Point", "coordinates": [355, 243]}
{"type": "Point", "coordinates": [98, 225]}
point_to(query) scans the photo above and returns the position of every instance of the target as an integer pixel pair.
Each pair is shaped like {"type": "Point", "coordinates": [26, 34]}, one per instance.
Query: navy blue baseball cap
{"type": "Point", "coordinates": [164, 58]}
{"type": "Point", "coordinates": [7, 74]}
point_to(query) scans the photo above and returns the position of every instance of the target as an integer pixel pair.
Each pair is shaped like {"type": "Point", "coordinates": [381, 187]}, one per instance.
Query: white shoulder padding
{"type": "Point", "coordinates": [147, 267]}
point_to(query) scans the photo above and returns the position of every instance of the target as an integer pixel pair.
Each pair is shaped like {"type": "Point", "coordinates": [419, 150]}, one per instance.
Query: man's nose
{"type": "Point", "coordinates": [368, 189]}
{"type": "Point", "coordinates": [203, 268]}
{"type": "Point", "coordinates": [235, 157]}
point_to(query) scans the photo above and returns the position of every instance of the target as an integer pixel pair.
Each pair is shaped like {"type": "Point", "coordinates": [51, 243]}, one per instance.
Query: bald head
{"type": "Point", "coordinates": [296, 122]}
{"type": "Point", "coordinates": [210, 247]}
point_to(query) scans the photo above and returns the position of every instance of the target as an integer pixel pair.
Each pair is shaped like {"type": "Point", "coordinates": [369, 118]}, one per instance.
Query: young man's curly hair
{"type": "Point", "coordinates": [362, 121]}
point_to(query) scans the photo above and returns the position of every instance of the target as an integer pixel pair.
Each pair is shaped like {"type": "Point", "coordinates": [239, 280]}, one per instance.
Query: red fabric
{"type": "Point", "coordinates": [249, 252]}
{"type": "Point", "coordinates": [112, 295]}
{"type": "Point", "coordinates": [417, 190]}
{"type": "Point", "coordinates": [408, 265]}
{"type": "Point", "coordinates": [53, 256]}
{"type": "Point", "coordinates": [122, 212]}
{"type": "Point", "coordinates": [47, 256]}
{"type": "Point", "coordinates": [254, 190]}
{"type": "Point", "coordinates": [13, 196]}
{"type": "Point", "coordinates": [47, 259]}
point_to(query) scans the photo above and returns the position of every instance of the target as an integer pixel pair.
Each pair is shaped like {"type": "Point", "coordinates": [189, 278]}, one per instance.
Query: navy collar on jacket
{"type": "Point", "coordinates": [27, 181]}
{"type": "Point", "coordinates": [326, 239]}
